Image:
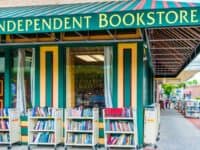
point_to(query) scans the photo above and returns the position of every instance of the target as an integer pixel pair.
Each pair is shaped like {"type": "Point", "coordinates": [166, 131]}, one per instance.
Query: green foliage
{"type": "Point", "coordinates": [168, 88]}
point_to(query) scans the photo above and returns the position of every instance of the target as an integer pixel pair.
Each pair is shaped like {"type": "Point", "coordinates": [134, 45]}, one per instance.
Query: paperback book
{"type": "Point", "coordinates": [74, 138]}
{"type": "Point", "coordinates": [4, 124]}
{"type": "Point", "coordinates": [44, 125]}
{"type": "Point", "coordinates": [119, 126]}
{"type": "Point", "coordinates": [44, 137]}
{"type": "Point", "coordinates": [42, 112]}
{"type": "Point", "coordinates": [120, 140]}
{"type": "Point", "coordinates": [118, 112]}
{"type": "Point", "coordinates": [4, 137]}
{"type": "Point", "coordinates": [80, 125]}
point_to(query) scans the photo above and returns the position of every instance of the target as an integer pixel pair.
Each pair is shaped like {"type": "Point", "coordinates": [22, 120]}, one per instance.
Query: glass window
{"type": "Point", "coordinates": [85, 72]}
{"type": "Point", "coordinates": [21, 66]}
{"type": "Point", "coordinates": [89, 77]}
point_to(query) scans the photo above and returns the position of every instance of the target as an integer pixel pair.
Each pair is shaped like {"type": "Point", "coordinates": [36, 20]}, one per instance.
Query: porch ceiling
{"type": "Point", "coordinates": [173, 48]}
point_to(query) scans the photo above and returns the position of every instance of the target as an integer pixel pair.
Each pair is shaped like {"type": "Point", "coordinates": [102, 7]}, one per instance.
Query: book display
{"type": "Point", "coordinates": [45, 126]}
{"type": "Point", "coordinates": [120, 128]}
{"type": "Point", "coordinates": [81, 127]}
{"type": "Point", "coordinates": [192, 109]}
{"type": "Point", "coordinates": [10, 131]}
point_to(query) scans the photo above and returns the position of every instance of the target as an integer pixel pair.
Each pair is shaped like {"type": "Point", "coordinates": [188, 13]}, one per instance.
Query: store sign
{"type": "Point", "coordinates": [102, 21]}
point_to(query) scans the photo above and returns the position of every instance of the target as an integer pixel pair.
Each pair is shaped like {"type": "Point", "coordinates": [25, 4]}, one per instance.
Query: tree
{"type": "Point", "coordinates": [168, 88]}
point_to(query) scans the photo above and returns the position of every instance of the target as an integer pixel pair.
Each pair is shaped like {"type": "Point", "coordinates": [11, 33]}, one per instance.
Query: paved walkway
{"type": "Point", "coordinates": [177, 133]}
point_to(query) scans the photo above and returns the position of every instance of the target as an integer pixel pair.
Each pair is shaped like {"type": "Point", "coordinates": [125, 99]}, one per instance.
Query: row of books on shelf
{"type": "Point", "coordinates": [118, 112]}
{"type": "Point", "coordinates": [73, 138]}
{"type": "Point", "coordinates": [120, 140]}
{"type": "Point", "coordinates": [42, 112]}
{"type": "Point", "coordinates": [44, 125]}
{"type": "Point", "coordinates": [4, 137]}
{"type": "Point", "coordinates": [44, 137]}
{"type": "Point", "coordinates": [4, 124]}
{"type": "Point", "coordinates": [119, 126]}
{"type": "Point", "coordinates": [4, 112]}
{"type": "Point", "coordinates": [80, 125]}
{"type": "Point", "coordinates": [80, 112]}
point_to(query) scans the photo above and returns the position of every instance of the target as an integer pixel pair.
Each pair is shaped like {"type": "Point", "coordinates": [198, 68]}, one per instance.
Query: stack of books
{"type": "Point", "coordinates": [119, 126]}
{"type": "Point", "coordinates": [80, 125]}
{"type": "Point", "coordinates": [44, 137]}
{"type": "Point", "coordinates": [118, 112]}
{"type": "Point", "coordinates": [120, 140]}
{"type": "Point", "coordinates": [4, 112]}
{"type": "Point", "coordinates": [42, 112]}
{"type": "Point", "coordinates": [4, 137]}
{"type": "Point", "coordinates": [79, 138]}
{"type": "Point", "coordinates": [4, 124]}
{"type": "Point", "coordinates": [80, 112]}
{"type": "Point", "coordinates": [44, 125]}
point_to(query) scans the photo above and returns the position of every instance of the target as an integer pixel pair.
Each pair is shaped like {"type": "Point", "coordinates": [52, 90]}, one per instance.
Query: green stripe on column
{"type": "Point", "coordinates": [7, 91]}
{"type": "Point", "coordinates": [37, 76]}
{"type": "Point", "coordinates": [49, 78]}
{"type": "Point", "coordinates": [24, 130]}
{"type": "Point", "coordinates": [140, 112]}
{"type": "Point", "coordinates": [101, 133]}
{"type": "Point", "coordinates": [127, 78]}
{"type": "Point", "coordinates": [115, 83]}
{"type": "Point", "coordinates": [62, 78]}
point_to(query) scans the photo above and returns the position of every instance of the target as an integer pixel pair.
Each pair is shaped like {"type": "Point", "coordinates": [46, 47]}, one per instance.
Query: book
{"type": "Point", "coordinates": [42, 112]}
{"type": "Point", "coordinates": [80, 125]}
{"type": "Point", "coordinates": [4, 137]}
{"type": "Point", "coordinates": [4, 112]}
{"type": "Point", "coordinates": [80, 112]}
{"type": "Point", "coordinates": [120, 140]}
{"type": "Point", "coordinates": [79, 138]}
{"type": "Point", "coordinates": [118, 112]}
{"type": "Point", "coordinates": [119, 126]}
{"type": "Point", "coordinates": [44, 125]}
{"type": "Point", "coordinates": [44, 137]}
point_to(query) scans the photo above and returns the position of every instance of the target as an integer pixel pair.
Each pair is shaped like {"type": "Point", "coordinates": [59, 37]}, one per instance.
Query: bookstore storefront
{"type": "Point", "coordinates": [88, 55]}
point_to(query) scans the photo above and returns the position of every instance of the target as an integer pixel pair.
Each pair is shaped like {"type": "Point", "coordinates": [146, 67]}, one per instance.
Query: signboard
{"type": "Point", "coordinates": [102, 21]}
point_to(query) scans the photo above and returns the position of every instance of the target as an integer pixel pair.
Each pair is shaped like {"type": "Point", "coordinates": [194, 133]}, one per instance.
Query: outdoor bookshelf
{"type": "Point", "coordinates": [120, 130]}
{"type": "Point", "coordinates": [45, 126]}
{"type": "Point", "coordinates": [192, 109]}
{"type": "Point", "coordinates": [81, 127]}
{"type": "Point", "coordinates": [10, 131]}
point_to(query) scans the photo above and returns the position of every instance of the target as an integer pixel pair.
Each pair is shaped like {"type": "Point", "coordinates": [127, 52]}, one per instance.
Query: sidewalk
{"type": "Point", "coordinates": [177, 132]}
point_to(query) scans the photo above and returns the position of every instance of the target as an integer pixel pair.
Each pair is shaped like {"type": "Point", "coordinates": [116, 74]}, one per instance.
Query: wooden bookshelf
{"type": "Point", "coordinates": [49, 125]}
{"type": "Point", "coordinates": [81, 126]}
{"type": "Point", "coordinates": [12, 130]}
{"type": "Point", "coordinates": [122, 128]}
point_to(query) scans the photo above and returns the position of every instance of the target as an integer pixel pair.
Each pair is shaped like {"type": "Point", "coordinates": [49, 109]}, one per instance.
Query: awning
{"type": "Point", "coordinates": [98, 16]}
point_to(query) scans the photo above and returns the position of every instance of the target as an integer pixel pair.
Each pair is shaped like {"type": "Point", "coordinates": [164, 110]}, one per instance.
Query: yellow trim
{"type": "Point", "coordinates": [101, 141]}
{"type": "Point", "coordinates": [42, 77]}
{"type": "Point", "coordinates": [24, 138]}
{"type": "Point", "coordinates": [24, 123]}
{"type": "Point", "coordinates": [134, 76]}
{"type": "Point", "coordinates": [1, 87]}
{"type": "Point", "coordinates": [44, 39]}
{"type": "Point", "coordinates": [102, 37]}
{"type": "Point", "coordinates": [121, 48]}
{"type": "Point", "coordinates": [120, 76]}
{"type": "Point", "coordinates": [70, 82]}
{"type": "Point", "coordinates": [101, 126]}
{"type": "Point", "coordinates": [43, 50]}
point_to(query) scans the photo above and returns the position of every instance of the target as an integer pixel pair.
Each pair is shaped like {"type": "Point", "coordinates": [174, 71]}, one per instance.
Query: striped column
{"type": "Point", "coordinates": [49, 76]}
{"type": "Point", "coordinates": [127, 74]}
